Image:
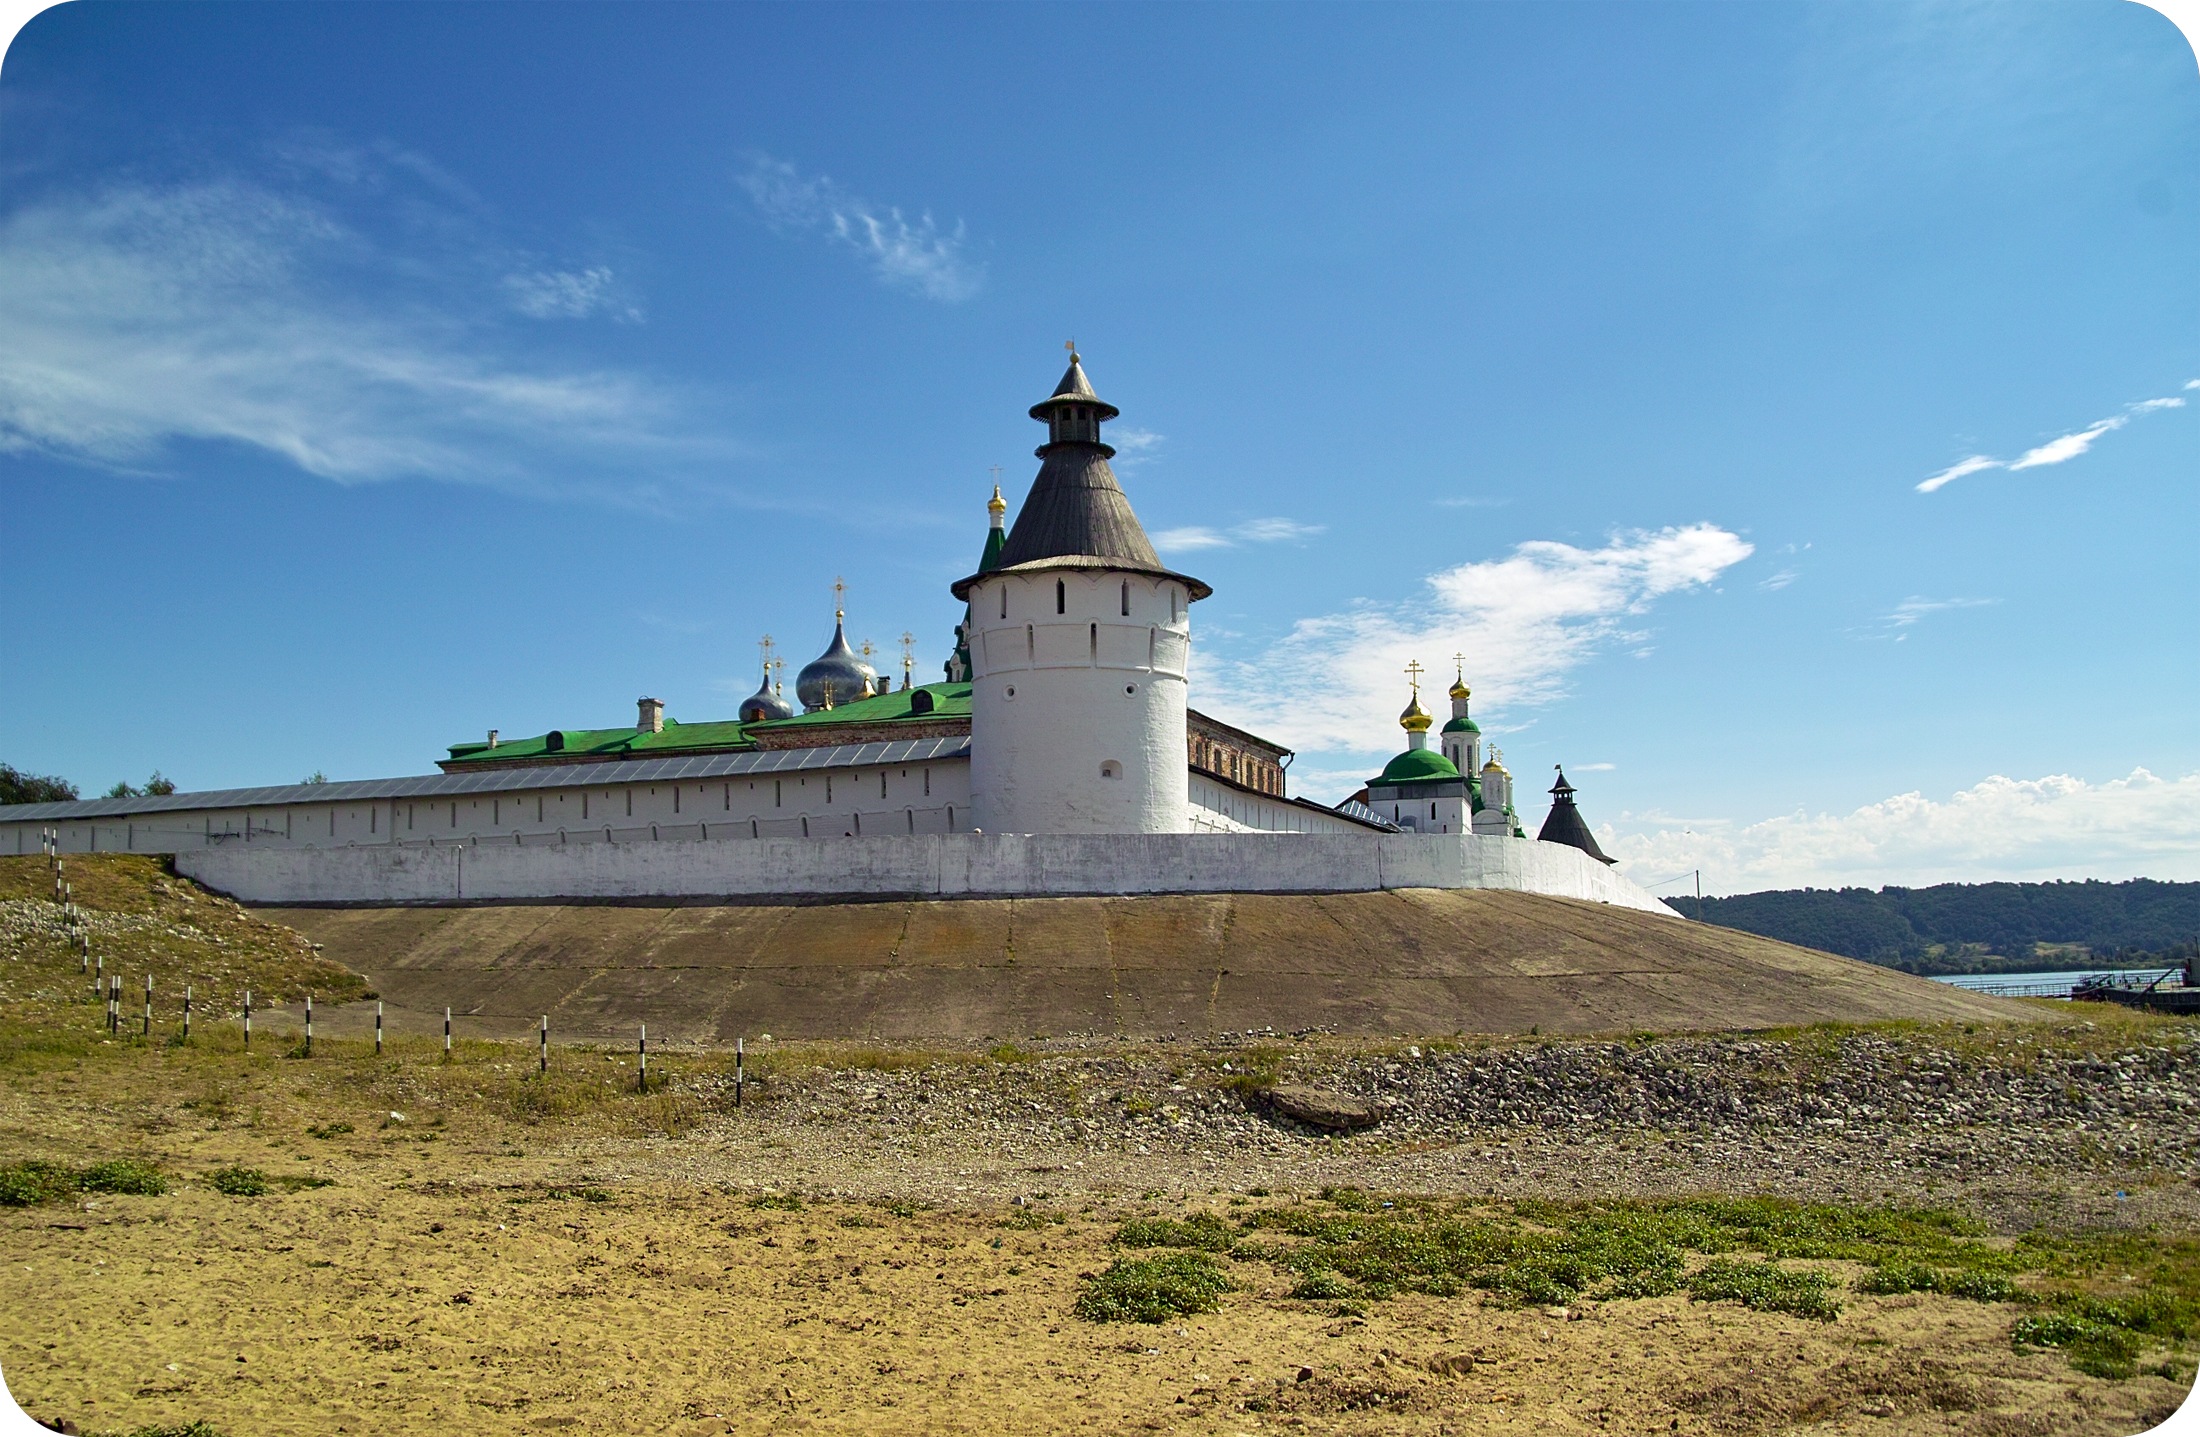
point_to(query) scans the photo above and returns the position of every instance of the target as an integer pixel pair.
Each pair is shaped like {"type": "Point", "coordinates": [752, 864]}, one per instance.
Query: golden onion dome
{"type": "Point", "coordinates": [1415, 719]}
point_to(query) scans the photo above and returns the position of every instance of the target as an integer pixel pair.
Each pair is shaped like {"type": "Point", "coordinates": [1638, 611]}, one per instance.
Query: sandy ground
{"type": "Point", "coordinates": [441, 1302]}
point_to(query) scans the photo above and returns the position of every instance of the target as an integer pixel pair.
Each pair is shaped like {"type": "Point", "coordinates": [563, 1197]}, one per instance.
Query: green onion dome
{"type": "Point", "coordinates": [1462, 724]}
{"type": "Point", "coordinates": [1418, 765]}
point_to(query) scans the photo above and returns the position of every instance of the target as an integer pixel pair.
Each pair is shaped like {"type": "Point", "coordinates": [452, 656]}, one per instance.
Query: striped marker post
{"type": "Point", "coordinates": [446, 1035]}
{"type": "Point", "coordinates": [740, 1069]}
{"type": "Point", "coordinates": [542, 1050]}
{"type": "Point", "coordinates": [248, 1020]}
{"type": "Point", "coordinates": [148, 1005]}
{"type": "Point", "coordinates": [643, 1050]}
{"type": "Point", "coordinates": [187, 1012]}
{"type": "Point", "coordinates": [378, 1027]}
{"type": "Point", "coordinates": [309, 1025]}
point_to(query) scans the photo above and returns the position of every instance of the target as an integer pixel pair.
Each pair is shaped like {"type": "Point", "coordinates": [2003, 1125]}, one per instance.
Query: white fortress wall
{"type": "Point", "coordinates": [939, 865]}
{"type": "Point", "coordinates": [1218, 807]}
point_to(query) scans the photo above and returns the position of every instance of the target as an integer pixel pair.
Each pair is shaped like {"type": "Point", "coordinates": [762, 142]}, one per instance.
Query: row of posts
{"type": "Point", "coordinates": [81, 938]}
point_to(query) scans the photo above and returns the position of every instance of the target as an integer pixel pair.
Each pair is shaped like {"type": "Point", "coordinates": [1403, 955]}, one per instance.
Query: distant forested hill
{"type": "Point", "coordinates": [1974, 927]}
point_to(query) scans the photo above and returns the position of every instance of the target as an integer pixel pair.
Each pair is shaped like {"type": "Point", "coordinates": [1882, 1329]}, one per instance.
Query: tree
{"type": "Point", "coordinates": [19, 787]}
{"type": "Point", "coordinates": [159, 785]}
{"type": "Point", "coordinates": [315, 777]}
{"type": "Point", "coordinates": [124, 789]}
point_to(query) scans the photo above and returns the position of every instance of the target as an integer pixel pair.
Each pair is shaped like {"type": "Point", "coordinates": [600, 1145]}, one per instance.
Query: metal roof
{"type": "Point", "coordinates": [507, 780]}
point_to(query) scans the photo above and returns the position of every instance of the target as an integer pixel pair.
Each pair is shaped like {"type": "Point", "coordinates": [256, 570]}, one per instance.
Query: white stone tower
{"type": "Point", "coordinates": [1078, 650]}
{"type": "Point", "coordinates": [1462, 735]}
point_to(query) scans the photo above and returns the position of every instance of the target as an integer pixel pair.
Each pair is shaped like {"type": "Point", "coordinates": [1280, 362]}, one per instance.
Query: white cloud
{"type": "Point", "coordinates": [2054, 451]}
{"type": "Point", "coordinates": [1252, 531]}
{"type": "Point", "coordinates": [915, 255]}
{"type": "Point", "coordinates": [1129, 439]}
{"type": "Point", "coordinates": [1957, 470]}
{"type": "Point", "coordinates": [1910, 613]}
{"type": "Point", "coordinates": [141, 317]}
{"type": "Point", "coordinates": [2069, 446]}
{"type": "Point", "coordinates": [2003, 828]}
{"type": "Point", "coordinates": [563, 294]}
{"type": "Point", "coordinates": [1595, 767]}
{"type": "Point", "coordinates": [1524, 622]}
{"type": "Point", "coordinates": [1772, 583]}
{"type": "Point", "coordinates": [2192, 384]}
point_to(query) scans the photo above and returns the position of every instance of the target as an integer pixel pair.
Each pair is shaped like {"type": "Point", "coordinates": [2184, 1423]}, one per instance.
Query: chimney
{"type": "Point", "coordinates": [652, 718]}
{"type": "Point", "coordinates": [492, 738]}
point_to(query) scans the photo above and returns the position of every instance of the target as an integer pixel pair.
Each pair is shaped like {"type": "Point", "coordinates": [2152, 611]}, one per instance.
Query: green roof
{"type": "Point", "coordinates": [610, 743]}
{"type": "Point", "coordinates": [1418, 765]}
{"type": "Point", "coordinates": [1462, 724]}
{"type": "Point", "coordinates": [948, 701]}
{"type": "Point", "coordinates": [995, 541]}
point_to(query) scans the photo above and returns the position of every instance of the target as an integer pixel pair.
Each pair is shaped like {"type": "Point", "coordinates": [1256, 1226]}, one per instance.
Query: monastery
{"type": "Point", "coordinates": [1059, 754]}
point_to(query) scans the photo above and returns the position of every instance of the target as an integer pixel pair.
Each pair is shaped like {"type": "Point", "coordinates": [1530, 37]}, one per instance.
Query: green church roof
{"type": "Point", "coordinates": [1462, 725]}
{"type": "Point", "coordinates": [1418, 765]}
{"type": "Point", "coordinates": [721, 736]}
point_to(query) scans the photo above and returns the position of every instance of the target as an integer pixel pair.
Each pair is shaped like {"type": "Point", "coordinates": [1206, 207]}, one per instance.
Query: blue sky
{"type": "Point", "coordinates": [373, 375]}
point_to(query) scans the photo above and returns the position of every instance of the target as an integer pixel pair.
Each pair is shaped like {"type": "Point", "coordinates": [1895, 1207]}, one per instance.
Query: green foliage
{"type": "Point", "coordinates": [1900, 1275]}
{"type": "Point", "coordinates": [193, 1428]}
{"type": "Point", "coordinates": [776, 1202]}
{"type": "Point", "coordinates": [1203, 1231]}
{"type": "Point", "coordinates": [238, 1181]}
{"type": "Point", "coordinates": [1323, 1286]}
{"type": "Point", "coordinates": [17, 786]}
{"type": "Point", "coordinates": [1765, 1287]}
{"type": "Point", "coordinates": [1008, 1053]}
{"type": "Point", "coordinates": [1153, 1289]}
{"type": "Point", "coordinates": [325, 1131]}
{"type": "Point", "coordinates": [1971, 927]}
{"type": "Point", "coordinates": [27, 1184]}
{"type": "Point", "coordinates": [123, 1175]}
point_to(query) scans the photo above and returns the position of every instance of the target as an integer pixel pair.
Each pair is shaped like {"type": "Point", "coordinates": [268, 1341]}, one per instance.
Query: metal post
{"type": "Point", "coordinates": [740, 1069]}
{"type": "Point", "coordinates": [148, 1005]}
{"type": "Point", "coordinates": [114, 1005]}
{"type": "Point", "coordinates": [446, 1035]}
{"type": "Point", "coordinates": [248, 1020]}
{"type": "Point", "coordinates": [309, 1025]}
{"type": "Point", "coordinates": [378, 1027]}
{"type": "Point", "coordinates": [542, 1051]}
{"type": "Point", "coordinates": [187, 1012]}
{"type": "Point", "coordinates": [644, 1051]}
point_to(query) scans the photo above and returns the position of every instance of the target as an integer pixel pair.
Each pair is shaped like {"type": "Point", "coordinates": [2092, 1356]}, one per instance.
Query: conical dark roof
{"type": "Point", "coordinates": [1076, 511]}
{"type": "Point", "coordinates": [1565, 823]}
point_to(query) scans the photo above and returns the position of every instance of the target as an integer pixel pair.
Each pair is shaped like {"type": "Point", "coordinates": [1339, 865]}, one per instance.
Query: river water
{"type": "Point", "coordinates": [2052, 985]}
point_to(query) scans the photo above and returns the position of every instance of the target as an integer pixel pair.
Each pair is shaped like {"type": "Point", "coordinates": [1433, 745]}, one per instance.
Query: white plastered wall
{"type": "Point", "coordinates": [1077, 708]}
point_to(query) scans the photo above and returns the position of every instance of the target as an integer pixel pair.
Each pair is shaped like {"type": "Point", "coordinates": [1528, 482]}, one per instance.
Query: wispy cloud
{"type": "Point", "coordinates": [141, 317]}
{"type": "Point", "coordinates": [566, 294]}
{"type": "Point", "coordinates": [1524, 622]}
{"type": "Point", "coordinates": [911, 254]}
{"type": "Point", "coordinates": [2055, 451]}
{"type": "Point", "coordinates": [1907, 615]}
{"type": "Point", "coordinates": [1772, 583]}
{"type": "Point", "coordinates": [1252, 531]}
{"type": "Point", "coordinates": [2058, 826]}
{"type": "Point", "coordinates": [1595, 767]}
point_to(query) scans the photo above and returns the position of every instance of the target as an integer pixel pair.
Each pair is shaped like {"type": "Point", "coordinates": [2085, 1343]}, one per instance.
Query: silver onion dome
{"type": "Point", "coordinates": [763, 706]}
{"type": "Point", "coordinates": [837, 676]}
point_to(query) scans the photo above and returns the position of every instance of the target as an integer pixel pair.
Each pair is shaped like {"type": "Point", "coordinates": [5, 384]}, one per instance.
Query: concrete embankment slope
{"type": "Point", "coordinates": [1412, 961]}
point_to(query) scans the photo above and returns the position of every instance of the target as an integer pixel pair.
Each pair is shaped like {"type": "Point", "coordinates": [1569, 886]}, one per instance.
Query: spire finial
{"type": "Point", "coordinates": [1459, 689]}
{"type": "Point", "coordinates": [840, 590]}
{"type": "Point", "coordinates": [1415, 719]}
{"type": "Point", "coordinates": [1071, 346]}
{"type": "Point", "coordinates": [996, 506]}
{"type": "Point", "coordinates": [908, 658]}
{"type": "Point", "coordinates": [1414, 672]}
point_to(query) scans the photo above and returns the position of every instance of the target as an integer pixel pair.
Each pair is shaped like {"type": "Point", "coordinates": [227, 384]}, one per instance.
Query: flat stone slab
{"type": "Point", "coordinates": [1324, 1107]}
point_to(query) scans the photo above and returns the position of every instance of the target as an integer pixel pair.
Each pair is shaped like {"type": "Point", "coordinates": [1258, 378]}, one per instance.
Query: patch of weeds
{"type": "Point", "coordinates": [1324, 1286]}
{"type": "Point", "coordinates": [1138, 1105]}
{"type": "Point", "coordinates": [1201, 1230]}
{"type": "Point", "coordinates": [853, 1219]}
{"type": "Point", "coordinates": [123, 1175]}
{"type": "Point", "coordinates": [238, 1181]}
{"type": "Point", "coordinates": [1008, 1053]}
{"type": "Point", "coordinates": [1031, 1219]}
{"type": "Point", "coordinates": [902, 1208]}
{"type": "Point", "coordinates": [28, 1184]}
{"type": "Point", "coordinates": [1153, 1289]}
{"type": "Point", "coordinates": [1765, 1287]}
{"type": "Point", "coordinates": [328, 1130]}
{"type": "Point", "coordinates": [776, 1202]}
{"type": "Point", "coordinates": [2095, 1348]}
{"type": "Point", "coordinates": [1902, 1275]}
{"type": "Point", "coordinates": [193, 1428]}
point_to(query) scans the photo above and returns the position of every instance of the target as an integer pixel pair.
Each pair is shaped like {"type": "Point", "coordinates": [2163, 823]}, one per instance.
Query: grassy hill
{"type": "Point", "coordinates": [1974, 927]}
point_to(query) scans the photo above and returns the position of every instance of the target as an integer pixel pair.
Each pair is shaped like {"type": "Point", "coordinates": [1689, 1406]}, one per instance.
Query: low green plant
{"type": "Point", "coordinates": [1766, 1287]}
{"type": "Point", "coordinates": [123, 1175]}
{"type": "Point", "coordinates": [776, 1202]}
{"type": "Point", "coordinates": [1153, 1289]}
{"type": "Point", "coordinates": [238, 1181]}
{"type": "Point", "coordinates": [27, 1184]}
{"type": "Point", "coordinates": [1203, 1231]}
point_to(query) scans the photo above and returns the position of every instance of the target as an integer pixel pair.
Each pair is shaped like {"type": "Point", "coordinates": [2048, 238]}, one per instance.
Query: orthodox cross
{"type": "Point", "coordinates": [1413, 672]}
{"type": "Point", "coordinates": [1461, 661]}
{"type": "Point", "coordinates": [840, 587]}
{"type": "Point", "coordinates": [765, 646]}
{"type": "Point", "coordinates": [908, 655]}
